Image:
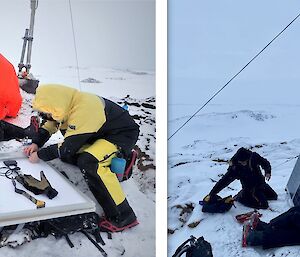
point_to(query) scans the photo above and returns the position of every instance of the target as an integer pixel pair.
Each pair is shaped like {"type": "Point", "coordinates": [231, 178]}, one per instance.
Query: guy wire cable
{"type": "Point", "coordinates": [75, 46]}
{"type": "Point", "coordinates": [233, 77]}
{"type": "Point", "coordinates": [288, 160]}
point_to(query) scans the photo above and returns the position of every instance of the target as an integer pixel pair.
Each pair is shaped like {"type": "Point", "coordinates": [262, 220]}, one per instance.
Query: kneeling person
{"type": "Point", "coordinates": [95, 130]}
{"type": "Point", "coordinates": [245, 166]}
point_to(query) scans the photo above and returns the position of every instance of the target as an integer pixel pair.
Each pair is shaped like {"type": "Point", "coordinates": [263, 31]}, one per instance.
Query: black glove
{"type": "Point", "coordinates": [207, 198]}
{"type": "Point", "coordinates": [37, 186]}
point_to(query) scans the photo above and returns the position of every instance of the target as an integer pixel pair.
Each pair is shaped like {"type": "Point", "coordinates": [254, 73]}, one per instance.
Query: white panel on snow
{"type": "Point", "coordinates": [293, 185]}
{"type": "Point", "coordinates": [16, 208]}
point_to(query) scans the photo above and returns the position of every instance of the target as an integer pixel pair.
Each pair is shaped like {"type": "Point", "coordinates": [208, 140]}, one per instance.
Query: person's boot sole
{"type": "Point", "coordinates": [106, 226]}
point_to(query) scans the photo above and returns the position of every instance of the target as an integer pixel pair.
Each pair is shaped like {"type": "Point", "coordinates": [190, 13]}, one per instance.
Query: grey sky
{"type": "Point", "coordinates": [209, 41]}
{"type": "Point", "coordinates": [119, 34]}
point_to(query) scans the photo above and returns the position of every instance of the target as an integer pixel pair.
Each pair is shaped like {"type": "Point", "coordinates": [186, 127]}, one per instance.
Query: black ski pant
{"type": "Point", "coordinates": [282, 230]}
{"type": "Point", "coordinates": [89, 166]}
{"type": "Point", "coordinates": [9, 131]}
{"type": "Point", "coordinates": [257, 197]}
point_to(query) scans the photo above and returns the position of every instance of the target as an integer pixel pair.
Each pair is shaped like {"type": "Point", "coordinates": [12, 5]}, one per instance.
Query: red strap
{"type": "Point", "coordinates": [106, 225]}
{"type": "Point", "coordinates": [134, 156]}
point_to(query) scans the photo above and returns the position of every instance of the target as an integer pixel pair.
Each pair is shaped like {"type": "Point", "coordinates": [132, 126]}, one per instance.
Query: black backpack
{"type": "Point", "coordinates": [86, 223]}
{"type": "Point", "coordinates": [194, 247]}
{"type": "Point", "coordinates": [217, 204]}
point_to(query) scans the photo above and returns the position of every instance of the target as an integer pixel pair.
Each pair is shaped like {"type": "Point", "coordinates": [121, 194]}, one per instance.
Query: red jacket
{"type": "Point", "coordinates": [10, 97]}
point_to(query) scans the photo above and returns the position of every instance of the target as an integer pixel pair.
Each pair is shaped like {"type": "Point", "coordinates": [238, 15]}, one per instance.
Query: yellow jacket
{"type": "Point", "coordinates": [72, 110]}
{"type": "Point", "coordinates": [83, 118]}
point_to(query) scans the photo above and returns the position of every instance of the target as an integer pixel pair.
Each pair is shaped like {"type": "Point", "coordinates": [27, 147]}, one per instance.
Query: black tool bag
{"type": "Point", "coordinates": [86, 223]}
{"type": "Point", "coordinates": [217, 204]}
{"type": "Point", "coordinates": [194, 247]}
{"type": "Point", "coordinates": [64, 226]}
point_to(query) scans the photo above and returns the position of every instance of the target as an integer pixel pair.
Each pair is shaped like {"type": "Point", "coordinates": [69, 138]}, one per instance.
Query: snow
{"type": "Point", "coordinates": [119, 53]}
{"type": "Point", "coordinates": [258, 110]}
{"type": "Point", "coordinates": [197, 162]}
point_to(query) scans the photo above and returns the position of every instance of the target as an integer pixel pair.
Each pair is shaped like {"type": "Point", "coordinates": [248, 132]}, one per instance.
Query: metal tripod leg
{"type": "Point", "coordinates": [26, 81]}
{"type": "Point", "coordinates": [25, 38]}
{"type": "Point", "coordinates": [28, 38]}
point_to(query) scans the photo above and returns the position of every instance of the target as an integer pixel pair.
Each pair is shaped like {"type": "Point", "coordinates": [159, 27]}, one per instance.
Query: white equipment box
{"type": "Point", "coordinates": [16, 208]}
{"type": "Point", "coordinates": [293, 185]}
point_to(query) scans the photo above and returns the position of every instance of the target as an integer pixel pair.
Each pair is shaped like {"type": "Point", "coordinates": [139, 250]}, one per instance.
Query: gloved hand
{"type": "Point", "coordinates": [37, 186]}
{"type": "Point", "coordinates": [229, 199]}
{"type": "Point", "coordinates": [268, 176]}
{"type": "Point", "coordinates": [207, 198]}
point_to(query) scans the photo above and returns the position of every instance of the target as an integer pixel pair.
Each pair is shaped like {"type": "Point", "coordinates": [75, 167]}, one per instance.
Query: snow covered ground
{"type": "Point", "coordinates": [210, 42]}
{"type": "Point", "coordinates": [140, 191]}
{"type": "Point", "coordinates": [116, 61]}
{"type": "Point", "coordinates": [197, 162]}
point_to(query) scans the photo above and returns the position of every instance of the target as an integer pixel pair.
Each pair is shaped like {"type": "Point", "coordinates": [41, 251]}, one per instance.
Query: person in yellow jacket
{"type": "Point", "coordinates": [95, 130]}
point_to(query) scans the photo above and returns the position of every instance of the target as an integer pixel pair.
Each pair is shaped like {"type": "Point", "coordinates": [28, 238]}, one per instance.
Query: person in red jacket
{"type": "Point", "coordinates": [10, 97]}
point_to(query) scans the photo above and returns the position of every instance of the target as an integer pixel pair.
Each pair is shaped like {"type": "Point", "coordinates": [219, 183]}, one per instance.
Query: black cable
{"type": "Point", "coordinates": [233, 77]}
{"type": "Point", "coordinates": [6, 173]}
{"type": "Point", "coordinates": [75, 45]}
{"type": "Point", "coordinates": [288, 160]}
{"type": "Point", "coordinates": [94, 243]}
{"type": "Point", "coordinates": [9, 172]}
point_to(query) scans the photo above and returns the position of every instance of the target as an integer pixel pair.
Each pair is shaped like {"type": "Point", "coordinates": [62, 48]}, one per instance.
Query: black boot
{"type": "Point", "coordinates": [261, 226]}
{"type": "Point", "coordinates": [124, 220]}
{"type": "Point", "coordinates": [254, 238]}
